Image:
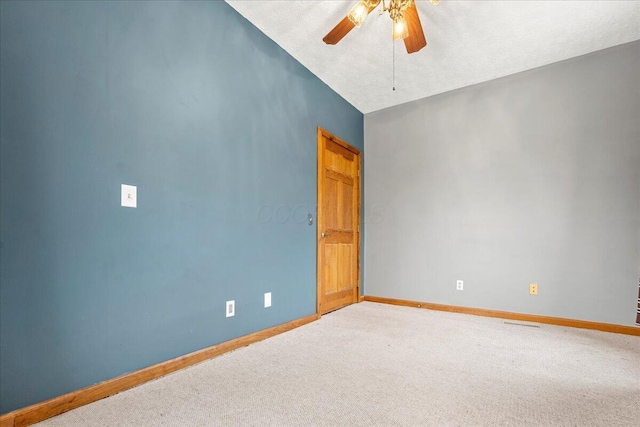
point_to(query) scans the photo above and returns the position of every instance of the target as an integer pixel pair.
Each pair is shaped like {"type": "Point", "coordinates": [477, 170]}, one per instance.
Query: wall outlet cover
{"type": "Point", "coordinates": [533, 289]}
{"type": "Point", "coordinates": [460, 285]}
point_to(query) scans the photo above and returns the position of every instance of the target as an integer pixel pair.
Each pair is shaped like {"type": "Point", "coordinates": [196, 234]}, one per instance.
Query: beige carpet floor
{"type": "Point", "coordinates": [379, 365]}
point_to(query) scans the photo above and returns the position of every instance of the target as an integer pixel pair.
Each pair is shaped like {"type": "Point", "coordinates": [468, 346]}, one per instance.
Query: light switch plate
{"type": "Point", "coordinates": [231, 308]}
{"type": "Point", "coordinates": [267, 299]}
{"type": "Point", "coordinates": [129, 196]}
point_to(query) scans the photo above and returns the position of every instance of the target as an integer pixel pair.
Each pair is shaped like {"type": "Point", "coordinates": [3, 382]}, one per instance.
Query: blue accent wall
{"type": "Point", "coordinates": [216, 126]}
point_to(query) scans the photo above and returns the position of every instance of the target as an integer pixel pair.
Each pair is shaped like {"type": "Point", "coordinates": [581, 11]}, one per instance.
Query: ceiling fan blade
{"type": "Point", "coordinates": [416, 39]}
{"type": "Point", "coordinates": [339, 31]}
{"type": "Point", "coordinates": [344, 26]}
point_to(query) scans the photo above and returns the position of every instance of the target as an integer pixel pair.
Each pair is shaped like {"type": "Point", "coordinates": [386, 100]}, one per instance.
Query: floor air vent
{"type": "Point", "coordinates": [521, 324]}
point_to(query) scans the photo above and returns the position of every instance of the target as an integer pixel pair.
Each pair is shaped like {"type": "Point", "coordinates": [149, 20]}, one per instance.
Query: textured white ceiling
{"type": "Point", "coordinates": [468, 42]}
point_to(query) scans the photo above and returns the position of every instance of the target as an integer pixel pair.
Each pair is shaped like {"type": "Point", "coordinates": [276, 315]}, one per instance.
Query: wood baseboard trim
{"type": "Point", "coordinates": [360, 298]}
{"type": "Point", "coordinates": [559, 321]}
{"type": "Point", "coordinates": [56, 406]}
{"type": "Point", "coordinates": [6, 420]}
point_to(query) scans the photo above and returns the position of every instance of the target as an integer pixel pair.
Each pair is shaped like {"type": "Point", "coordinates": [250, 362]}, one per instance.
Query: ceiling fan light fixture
{"type": "Point", "coordinates": [400, 28]}
{"type": "Point", "coordinates": [403, 14]}
{"type": "Point", "coordinates": [359, 13]}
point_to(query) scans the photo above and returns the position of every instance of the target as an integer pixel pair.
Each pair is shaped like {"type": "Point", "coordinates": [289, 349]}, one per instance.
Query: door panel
{"type": "Point", "coordinates": [338, 219]}
{"type": "Point", "coordinates": [331, 268]}
{"type": "Point", "coordinates": [345, 269]}
{"type": "Point", "coordinates": [346, 196]}
{"type": "Point", "coordinates": [332, 189]}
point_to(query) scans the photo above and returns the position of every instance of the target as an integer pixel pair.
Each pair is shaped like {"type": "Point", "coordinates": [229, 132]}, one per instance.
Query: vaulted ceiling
{"type": "Point", "coordinates": [468, 42]}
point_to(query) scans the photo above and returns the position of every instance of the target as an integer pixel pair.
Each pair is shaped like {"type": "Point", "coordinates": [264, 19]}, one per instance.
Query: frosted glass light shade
{"type": "Point", "coordinates": [400, 28]}
{"type": "Point", "coordinates": [358, 13]}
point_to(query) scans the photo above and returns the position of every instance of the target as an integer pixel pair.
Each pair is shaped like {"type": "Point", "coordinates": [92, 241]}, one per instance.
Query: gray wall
{"type": "Point", "coordinates": [529, 178]}
{"type": "Point", "coordinates": [213, 122]}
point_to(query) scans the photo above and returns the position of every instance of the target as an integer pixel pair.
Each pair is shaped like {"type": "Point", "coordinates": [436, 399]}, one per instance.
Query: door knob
{"type": "Point", "coordinates": [325, 234]}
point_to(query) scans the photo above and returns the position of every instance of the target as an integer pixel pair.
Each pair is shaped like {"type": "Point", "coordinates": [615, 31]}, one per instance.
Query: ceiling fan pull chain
{"type": "Point", "coordinates": [393, 73]}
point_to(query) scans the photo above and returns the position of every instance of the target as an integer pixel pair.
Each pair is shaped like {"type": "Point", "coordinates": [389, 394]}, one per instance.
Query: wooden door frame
{"type": "Point", "coordinates": [322, 133]}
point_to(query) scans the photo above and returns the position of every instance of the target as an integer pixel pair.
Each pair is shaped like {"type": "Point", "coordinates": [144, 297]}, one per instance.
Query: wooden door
{"type": "Point", "coordinates": [338, 234]}
{"type": "Point", "coordinates": [638, 313]}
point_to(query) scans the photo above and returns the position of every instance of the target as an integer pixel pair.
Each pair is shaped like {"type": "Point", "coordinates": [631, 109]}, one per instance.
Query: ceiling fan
{"type": "Point", "coordinates": [403, 13]}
